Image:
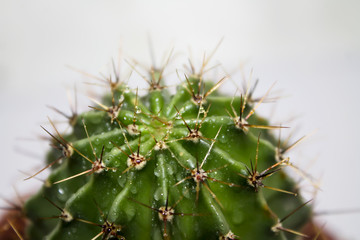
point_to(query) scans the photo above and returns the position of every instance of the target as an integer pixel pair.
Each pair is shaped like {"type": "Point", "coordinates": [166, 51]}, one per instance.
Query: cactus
{"type": "Point", "coordinates": [196, 164]}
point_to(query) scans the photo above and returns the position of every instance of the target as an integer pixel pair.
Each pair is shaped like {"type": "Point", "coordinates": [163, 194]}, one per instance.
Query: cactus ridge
{"type": "Point", "coordinates": [164, 166]}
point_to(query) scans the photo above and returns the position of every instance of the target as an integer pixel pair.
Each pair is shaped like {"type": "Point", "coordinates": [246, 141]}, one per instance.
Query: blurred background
{"type": "Point", "coordinates": [311, 49]}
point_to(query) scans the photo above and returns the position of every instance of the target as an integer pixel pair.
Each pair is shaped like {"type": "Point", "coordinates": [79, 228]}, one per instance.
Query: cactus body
{"type": "Point", "coordinates": [192, 165]}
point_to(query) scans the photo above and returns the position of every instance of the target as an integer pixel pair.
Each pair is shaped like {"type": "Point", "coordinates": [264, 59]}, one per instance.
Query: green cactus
{"type": "Point", "coordinates": [197, 164]}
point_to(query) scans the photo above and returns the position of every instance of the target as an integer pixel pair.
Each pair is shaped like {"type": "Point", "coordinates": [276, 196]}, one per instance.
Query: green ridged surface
{"type": "Point", "coordinates": [115, 197]}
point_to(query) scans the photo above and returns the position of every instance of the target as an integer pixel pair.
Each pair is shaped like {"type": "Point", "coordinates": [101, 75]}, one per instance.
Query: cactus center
{"type": "Point", "coordinates": [160, 145]}
{"type": "Point", "coordinates": [133, 129]}
{"type": "Point", "coordinates": [254, 180]}
{"type": "Point", "coordinates": [137, 161]}
{"type": "Point", "coordinates": [113, 112]}
{"type": "Point", "coordinates": [111, 229]}
{"type": "Point", "coordinates": [199, 175]}
{"type": "Point", "coordinates": [194, 135]}
{"type": "Point", "coordinates": [166, 213]}
{"type": "Point", "coordinates": [229, 236]}
{"type": "Point", "coordinates": [98, 166]}
{"type": "Point", "coordinates": [198, 99]}
{"type": "Point", "coordinates": [66, 150]}
{"type": "Point", "coordinates": [241, 123]}
{"type": "Point", "coordinates": [66, 216]}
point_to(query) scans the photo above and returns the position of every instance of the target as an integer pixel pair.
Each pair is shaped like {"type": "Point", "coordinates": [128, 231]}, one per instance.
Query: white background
{"type": "Point", "coordinates": [311, 48]}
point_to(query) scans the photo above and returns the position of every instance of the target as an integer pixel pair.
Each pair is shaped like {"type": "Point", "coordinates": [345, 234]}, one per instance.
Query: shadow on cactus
{"type": "Point", "coordinates": [196, 164]}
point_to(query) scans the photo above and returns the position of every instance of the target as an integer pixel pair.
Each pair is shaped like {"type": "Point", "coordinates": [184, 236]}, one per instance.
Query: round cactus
{"type": "Point", "coordinates": [196, 164]}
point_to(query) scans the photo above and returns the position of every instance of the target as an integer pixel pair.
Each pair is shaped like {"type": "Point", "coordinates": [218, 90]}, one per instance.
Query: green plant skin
{"type": "Point", "coordinates": [120, 198]}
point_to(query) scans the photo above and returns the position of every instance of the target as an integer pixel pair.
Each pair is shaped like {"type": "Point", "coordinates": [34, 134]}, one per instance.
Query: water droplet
{"type": "Point", "coordinates": [114, 214]}
{"type": "Point", "coordinates": [61, 191]}
{"type": "Point", "coordinates": [221, 226]}
{"type": "Point", "coordinates": [62, 196]}
{"type": "Point", "coordinates": [122, 180]}
{"type": "Point", "coordinates": [179, 177]}
{"type": "Point", "coordinates": [130, 211]}
{"type": "Point", "coordinates": [157, 171]}
{"type": "Point", "coordinates": [174, 166]}
{"type": "Point", "coordinates": [190, 162]}
{"type": "Point", "coordinates": [223, 139]}
{"type": "Point", "coordinates": [73, 231]}
{"type": "Point", "coordinates": [158, 194]}
{"type": "Point", "coordinates": [133, 189]}
{"type": "Point", "coordinates": [185, 192]}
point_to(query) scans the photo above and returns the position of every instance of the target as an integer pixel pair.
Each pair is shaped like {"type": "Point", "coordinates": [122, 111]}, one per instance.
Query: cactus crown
{"type": "Point", "coordinates": [196, 164]}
